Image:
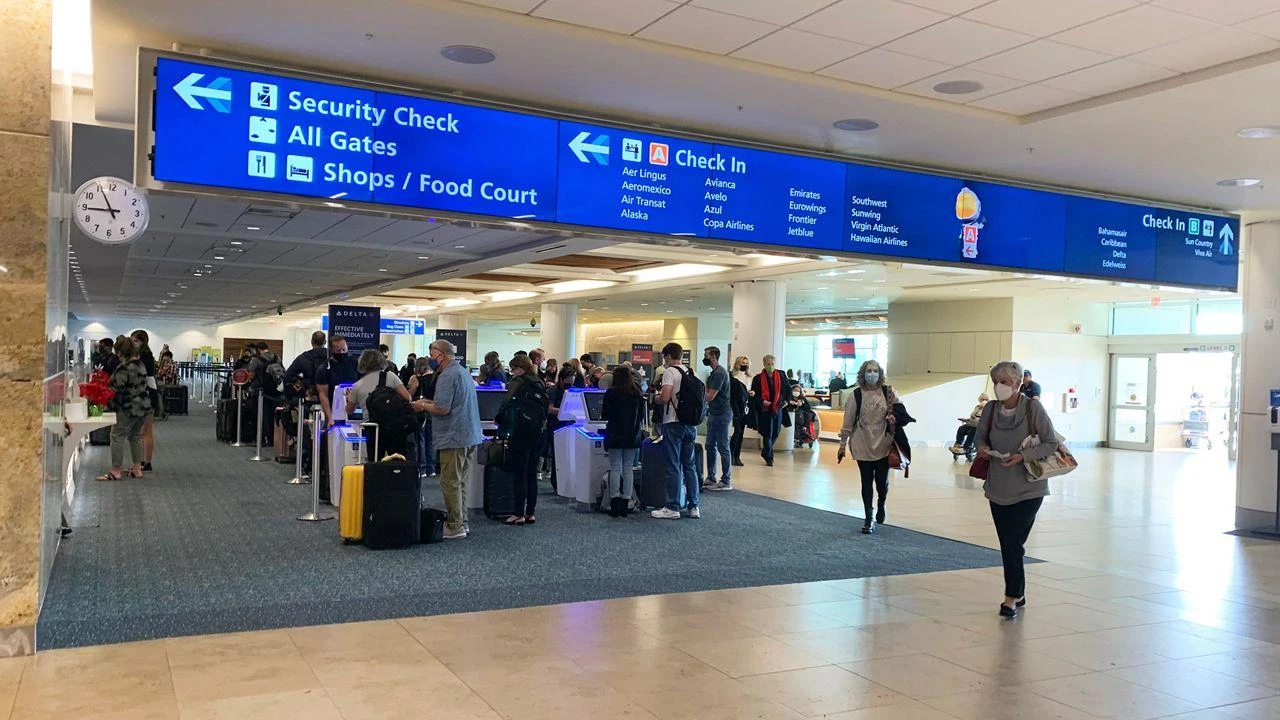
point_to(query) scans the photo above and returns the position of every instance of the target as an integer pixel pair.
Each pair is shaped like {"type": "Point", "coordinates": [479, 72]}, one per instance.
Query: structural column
{"type": "Point", "coordinates": [759, 329]}
{"type": "Point", "coordinates": [1259, 374]}
{"type": "Point", "coordinates": [560, 330]}
{"type": "Point", "coordinates": [25, 237]}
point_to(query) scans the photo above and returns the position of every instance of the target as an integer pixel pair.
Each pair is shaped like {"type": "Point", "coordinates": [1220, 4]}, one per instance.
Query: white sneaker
{"type": "Point", "coordinates": [721, 486]}
{"type": "Point", "coordinates": [665, 514]}
{"type": "Point", "coordinates": [695, 513]}
{"type": "Point", "coordinates": [455, 535]}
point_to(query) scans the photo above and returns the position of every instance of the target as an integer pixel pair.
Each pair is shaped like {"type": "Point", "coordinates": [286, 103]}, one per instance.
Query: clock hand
{"type": "Point", "coordinates": [99, 209]}
{"type": "Point", "coordinates": [107, 200]}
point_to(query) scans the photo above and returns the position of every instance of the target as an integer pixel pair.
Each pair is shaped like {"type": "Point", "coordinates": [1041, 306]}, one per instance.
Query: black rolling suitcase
{"type": "Point", "coordinates": [176, 398]}
{"type": "Point", "coordinates": [499, 493]}
{"type": "Point", "coordinates": [392, 505]}
{"type": "Point", "coordinates": [225, 420]}
{"type": "Point", "coordinates": [653, 474]}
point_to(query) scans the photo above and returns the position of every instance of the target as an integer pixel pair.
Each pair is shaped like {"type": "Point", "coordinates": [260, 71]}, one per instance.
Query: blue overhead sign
{"type": "Point", "coordinates": [234, 128]}
{"type": "Point", "coordinates": [390, 326]}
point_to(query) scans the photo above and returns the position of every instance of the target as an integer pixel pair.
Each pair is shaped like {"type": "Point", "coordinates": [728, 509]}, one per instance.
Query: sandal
{"type": "Point", "coordinates": [108, 477]}
{"type": "Point", "coordinates": [531, 519]}
{"type": "Point", "coordinates": [514, 520]}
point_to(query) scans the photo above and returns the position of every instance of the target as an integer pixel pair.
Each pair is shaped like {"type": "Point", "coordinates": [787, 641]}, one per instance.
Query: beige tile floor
{"type": "Point", "coordinates": [1144, 610]}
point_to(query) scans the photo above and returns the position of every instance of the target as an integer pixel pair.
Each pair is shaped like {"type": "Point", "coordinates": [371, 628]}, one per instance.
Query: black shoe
{"type": "Point", "coordinates": [1022, 602]}
{"type": "Point", "coordinates": [146, 467]}
{"type": "Point", "coordinates": [880, 516]}
{"type": "Point", "coordinates": [869, 527]}
{"type": "Point", "coordinates": [624, 507]}
{"type": "Point", "coordinates": [1008, 612]}
{"type": "Point", "coordinates": [768, 463]}
{"type": "Point", "coordinates": [737, 463]}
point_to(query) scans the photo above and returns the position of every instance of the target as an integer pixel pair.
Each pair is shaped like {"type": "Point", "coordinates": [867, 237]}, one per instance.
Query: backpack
{"type": "Point", "coordinates": [388, 409]}
{"type": "Point", "coordinates": [691, 399]}
{"type": "Point", "coordinates": [525, 415]}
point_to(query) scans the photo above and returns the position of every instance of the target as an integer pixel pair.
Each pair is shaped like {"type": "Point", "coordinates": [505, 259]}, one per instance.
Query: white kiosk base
{"type": "Point", "coordinates": [346, 447]}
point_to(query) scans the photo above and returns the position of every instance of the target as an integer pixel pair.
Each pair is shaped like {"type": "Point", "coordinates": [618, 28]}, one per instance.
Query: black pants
{"type": "Point", "coordinates": [522, 463]}
{"type": "Point", "coordinates": [1013, 526]}
{"type": "Point", "coordinates": [965, 435]}
{"type": "Point", "coordinates": [735, 442]}
{"type": "Point", "coordinates": [769, 426]}
{"type": "Point", "coordinates": [875, 479]}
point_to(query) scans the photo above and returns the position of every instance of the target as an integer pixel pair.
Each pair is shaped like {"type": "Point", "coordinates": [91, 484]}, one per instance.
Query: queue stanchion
{"type": "Point", "coordinates": [298, 477]}
{"type": "Point", "coordinates": [239, 379]}
{"type": "Point", "coordinates": [257, 455]}
{"type": "Point", "coordinates": [316, 514]}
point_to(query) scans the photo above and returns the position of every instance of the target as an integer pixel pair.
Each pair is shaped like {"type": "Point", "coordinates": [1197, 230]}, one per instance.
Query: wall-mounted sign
{"type": "Point", "coordinates": [844, 348]}
{"type": "Point", "coordinates": [390, 326]}
{"type": "Point", "coordinates": [641, 354]}
{"type": "Point", "coordinates": [232, 125]}
{"type": "Point", "coordinates": [459, 340]}
{"type": "Point", "coordinates": [358, 324]}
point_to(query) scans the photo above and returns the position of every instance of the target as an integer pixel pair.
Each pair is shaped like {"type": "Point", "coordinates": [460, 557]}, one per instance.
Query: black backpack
{"type": "Point", "coordinates": [525, 415]}
{"type": "Point", "coordinates": [388, 409]}
{"type": "Point", "coordinates": [691, 399]}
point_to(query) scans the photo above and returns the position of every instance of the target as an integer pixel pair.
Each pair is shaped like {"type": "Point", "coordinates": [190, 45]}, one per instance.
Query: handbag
{"type": "Point", "coordinates": [897, 462]}
{"type": "Point", "coordinates": [981, 466]}
{"type": "Point", "coordinates": [1060, 462]}
{"type": "Point", "coordinates": [492, 452]}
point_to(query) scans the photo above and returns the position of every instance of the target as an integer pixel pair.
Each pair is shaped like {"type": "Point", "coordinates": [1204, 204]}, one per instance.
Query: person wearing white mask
{"type": "Point", "coordinates": [1015, 499]}
{"type": "Point", "coordinates": [867, 432]}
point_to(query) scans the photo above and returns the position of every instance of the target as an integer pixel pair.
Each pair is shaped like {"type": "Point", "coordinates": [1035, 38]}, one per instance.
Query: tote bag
{"type": "Point", "coordinates": [1060, 462]}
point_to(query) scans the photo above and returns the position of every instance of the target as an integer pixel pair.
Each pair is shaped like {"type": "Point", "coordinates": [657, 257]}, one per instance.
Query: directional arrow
{"type": "Point", "coordinates": [217, 92]}
{"type": "Point", "coordinates": [597, 147]}
{"type": "Point", "coordinates": [1226, 236]}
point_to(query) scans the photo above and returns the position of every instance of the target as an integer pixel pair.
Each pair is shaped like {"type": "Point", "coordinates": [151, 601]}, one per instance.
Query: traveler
{"type": "Point", "coordinates": [409, 367]}
{"type": "Point", "coordinates": [769, 391]}
{"type": "Point", "coordinates": [397, 424]}
{"type": "Point", "coordinates": [522, 421]}
{"type": "Point", "coordinates": [588, 365]}
{"type": "Point", "coordinates": [390, 365]}
{"type": "Point", "coordinates": [550, 372]}
{"type": "Point", "coordinates": [455, 418]}
{"type": "Point", "coordinates": [556, 395]}
{"type": "Point", "coordinates": [868, 433]}
{"type": "Point", "coordinates": [596, 376]}
{"type": "Point", "coordinates": [624, 415]}
{"type": "Point", "coordinates": [141, 340]}
{"type": "Point", "coordinates": [684, 403]}
{"type": "Point", "coordinates": [422, 386]}
{"type": "Point", "coordinates": [837, 383]}
{"type": "Point", "coordinates": [105, 359]}
{"type": "Point", "coordinates": [492, 370]}
{"type": "Point", "coordinates": [969, 427]}
{"type": "Point", "coordinates": [579, 380]}
{"type": "Point", "coordinates": [300, 376]}
{"type": "Point", "coordinates": [167, 373]}
{"type": "Point", "coordinates": [803, 418]}
{"type": "Point", "coordinates": [1014, 499]}
{"type": "Point", "coordinates": [740, 403]}
{"type": "Point", "coordinates": [133, 408]}
{"type": "Point", "coordinates": [1030, 387]}
{"type": "Point", "coordinates": [268, 375]}
{"type": "Point", "coordinates": [339, 369]}
{"type": "Point", "coordinates": [538, 357]}
{"type": "Point", "coordinates": [719, 418]}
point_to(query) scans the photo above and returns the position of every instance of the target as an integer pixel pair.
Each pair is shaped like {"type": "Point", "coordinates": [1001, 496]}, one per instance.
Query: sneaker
{"type": "Point", "coordinates": [455, 534]}
{"type": "Point", "coordinates": [695, 513]}
{"type": "Point", "coordinates": [957, 450]}
{"type": "Point", "coordinates": [721, 486]}
{"type": "Point", "coordinates": [665, 514]}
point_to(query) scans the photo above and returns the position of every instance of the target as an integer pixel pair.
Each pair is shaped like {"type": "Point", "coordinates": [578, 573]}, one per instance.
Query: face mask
{"type": "Point", "coordinates": [768, 368]}
{"type": "Point", "coordinates": [1003, 392]}
{"type": "Point", "coordinates": [743, 368]}
{"type": "Point", "coordinates": [872, 377]}
{"type": "Point", "coordinates": [706, 361]}
{"type": "Point", "coordinates": [433, 363]}
{"type": "Point", "coordinates": [340, 355]}
{"type": "Point", "coordinates": [796, 394]}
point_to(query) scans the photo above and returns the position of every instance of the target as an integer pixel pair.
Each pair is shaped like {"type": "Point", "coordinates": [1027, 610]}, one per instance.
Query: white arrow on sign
{"type": "Point", "coordinates": [1226, 236]}
{"type": "Point", "coordinates": [189, 91]}
{"type": "Point", "coordinates": [579, 145]}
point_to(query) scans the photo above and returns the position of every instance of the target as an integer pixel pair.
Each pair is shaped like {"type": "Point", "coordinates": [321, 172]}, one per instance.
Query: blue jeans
{"type": "Point", "coordinates": [426, 451]}
{"type": "Point", "coordinates": [768, 425]}
{"type": "Point", "coordinates": [622, 464]}
{"type": "Point", "coordinates": [718, 444]}
{"type": "Point", "coordinates": [679, 439]}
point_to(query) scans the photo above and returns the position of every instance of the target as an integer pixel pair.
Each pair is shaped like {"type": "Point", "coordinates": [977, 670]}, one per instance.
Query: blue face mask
{"type": "Point", "coordinates": [433, 363]}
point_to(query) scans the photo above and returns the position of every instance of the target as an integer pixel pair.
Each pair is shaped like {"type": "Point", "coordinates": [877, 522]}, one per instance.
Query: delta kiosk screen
{"type": "Point", "coordinates": [228, 127]}
{"type": "Point", "coordinates": [595, 405]}
{"type": "Point", "coordinates": [489, 402]}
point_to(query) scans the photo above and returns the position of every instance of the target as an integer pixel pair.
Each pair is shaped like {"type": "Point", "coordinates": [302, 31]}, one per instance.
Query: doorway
{"type": "Point", "coordinates": [1132, 413]}
{"type": "Point", "coordinates": [1193, 404]}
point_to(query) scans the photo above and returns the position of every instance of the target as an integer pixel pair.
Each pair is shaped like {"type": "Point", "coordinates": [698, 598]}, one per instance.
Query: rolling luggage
{"type": "Point", "coordinates": [282, 441]}
{"type": "Point", "coordinates": [499, 493]}
{"type": "Point", "coordinates": [101, 436]}
{"type": "Point", "coordinates": [351, 509]}
{"type": "Point", "coordinates": [652, 482]}
{"type": "Point", "coordinates": [432, 525]}
{"type": "Point", "coordinates": [176, 399]}
{"type": "Point", "coordinates": [392, 505]}
{"type": "Point", "coordinates": [226, 420]}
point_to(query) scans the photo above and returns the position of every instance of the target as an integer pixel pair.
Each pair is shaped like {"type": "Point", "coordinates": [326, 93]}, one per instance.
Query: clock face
{"type": "Point", "coordinates": [111, 210]}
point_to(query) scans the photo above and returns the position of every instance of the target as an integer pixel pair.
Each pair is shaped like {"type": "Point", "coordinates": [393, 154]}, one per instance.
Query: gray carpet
{"type": "Point", "coordinates": [209, 543]}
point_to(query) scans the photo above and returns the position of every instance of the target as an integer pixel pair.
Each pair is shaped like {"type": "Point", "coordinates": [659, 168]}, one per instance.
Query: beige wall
{"type": "Point", "coordinates": [964, 336]}
{"type": "Point", "coordinates": [24, 234]}
{"type": "Point", "coordinates": [613, 338]}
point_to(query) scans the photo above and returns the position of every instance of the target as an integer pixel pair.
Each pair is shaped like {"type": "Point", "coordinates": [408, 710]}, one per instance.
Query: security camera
{"type": "Point", "coordinates": [533, 322]}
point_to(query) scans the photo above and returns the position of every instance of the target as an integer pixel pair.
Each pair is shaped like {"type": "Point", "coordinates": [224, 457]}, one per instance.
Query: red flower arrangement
{"type": "Point", "coordinates": [98, 389]}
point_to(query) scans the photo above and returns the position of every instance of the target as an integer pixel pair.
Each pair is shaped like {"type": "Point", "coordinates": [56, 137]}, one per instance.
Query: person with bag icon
{"type": "Point", "coordinates": [1013, 431]}
{"type": "Point", "coordinates": [868, 433]}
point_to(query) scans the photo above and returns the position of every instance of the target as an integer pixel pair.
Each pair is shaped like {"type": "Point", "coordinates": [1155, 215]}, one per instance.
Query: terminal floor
{"type": "Point", "coordinates": [1146, 609]}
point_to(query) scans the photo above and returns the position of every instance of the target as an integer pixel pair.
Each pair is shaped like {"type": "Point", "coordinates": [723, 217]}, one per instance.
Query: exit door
{"type": "Point", "coordinates": [1133, 402]}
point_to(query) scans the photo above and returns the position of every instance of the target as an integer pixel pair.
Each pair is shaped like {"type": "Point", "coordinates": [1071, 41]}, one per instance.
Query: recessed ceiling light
{"type": "Point", "coordinates": [252, 227]}
{"type": "Point", "coordinates": [468, 54]}
{"type": "Point", "coordinates": [711, 308]}
{"type": "Point", "coordinates": [957, 87]}
{"type": "Point", "coordinates": [458, 247]}
{"type": "Point", "coordinates": [218, 257]}
{"type": "Point", "coordinates": [382, 269]}
{"type": "Point", "coordinates": [1264, 131]}
{"type": "Point", "coordinates": [423, 257]}
{"type": "Point", "coordinates": [856, 125]}
{"type": "Point", "coordinates": [644, 304]}
{"type": "Point", "coordinates": [1239, 182]}
{"type": "Point", "coordinates": [237, 242]}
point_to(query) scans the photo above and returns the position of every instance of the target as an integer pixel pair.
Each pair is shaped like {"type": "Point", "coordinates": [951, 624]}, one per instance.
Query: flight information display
{"type": "Point", "coordinates": [262, 131]}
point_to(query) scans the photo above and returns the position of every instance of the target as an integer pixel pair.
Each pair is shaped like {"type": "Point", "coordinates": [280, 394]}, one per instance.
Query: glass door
{"type": "Point", "coordinates": [1133, 406]}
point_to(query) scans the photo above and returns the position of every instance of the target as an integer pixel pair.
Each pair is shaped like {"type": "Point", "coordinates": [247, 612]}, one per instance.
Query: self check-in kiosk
{"type": "Point", "coordinates": [590, 458]}
{"type": "Point", "coordinates": [346, 442]}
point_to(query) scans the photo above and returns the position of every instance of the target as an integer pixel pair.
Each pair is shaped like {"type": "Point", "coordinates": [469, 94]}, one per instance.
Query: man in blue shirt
{"type": "Point", "coordinates": [455, 425]}
{"type": "Point", "coordinates": [719, 418]}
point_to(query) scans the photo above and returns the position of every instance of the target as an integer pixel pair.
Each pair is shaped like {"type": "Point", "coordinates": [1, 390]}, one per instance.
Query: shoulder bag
{"type": "Point", "coordinates": [1060, 462]}
{"type": "Point", "coordinates": [981, 466]}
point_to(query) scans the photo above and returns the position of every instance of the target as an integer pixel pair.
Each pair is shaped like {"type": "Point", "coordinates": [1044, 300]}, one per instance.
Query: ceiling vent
{"type": "Point", "coordinates": [271, 212]}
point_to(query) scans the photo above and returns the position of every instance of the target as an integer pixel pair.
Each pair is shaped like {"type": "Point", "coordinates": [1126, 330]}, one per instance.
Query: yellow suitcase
{"type": "Point", "coordinates": [351, 504]}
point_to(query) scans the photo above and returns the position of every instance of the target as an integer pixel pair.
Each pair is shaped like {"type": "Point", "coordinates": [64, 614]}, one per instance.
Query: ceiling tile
{"type": "Point", "coordinates": [1028, 99]}
{"type": "Point", "coordinates": [950, 7]}
{"type": "Point", "coordinates": [770, 11]}
{"type": "Point", "coordinates": [1212, 48]}
{"type": "Point", "coordinates": [884, 69]}
{"type": "Point", "coordinates": [520, 6]}
{"type": "Point", "coordinates": [991, 84]}
{"type": "Point", "coordinates": [700, 29]}
{"type": "Point", "coordinates": [1039, 60]}
{"type": "Point", "coordinates": [1045, 17]}
{"type": "Point", "coordinates": [1109, 77]}
{"type": "Point", "coordinates": [799, 50]}
{"type": "Point", "coordinates": [958, 41]}
{"type": "Point", "coordinates": [1268, 25]}
{"type": "Point", "coordinates": [871, 22]}
{"type": "Point", "coordinates": [620, 16]}
{"type": "Point", "coordinates": [1223, 12]}
{"type": "Point", "coordinates": [1134, 30]}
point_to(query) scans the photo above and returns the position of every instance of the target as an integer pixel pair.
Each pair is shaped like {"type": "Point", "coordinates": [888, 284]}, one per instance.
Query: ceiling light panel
{"type": "Point", "coordinates": [672, 272]}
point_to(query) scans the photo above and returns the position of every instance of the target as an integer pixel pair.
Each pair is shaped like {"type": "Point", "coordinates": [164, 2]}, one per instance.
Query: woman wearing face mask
{"type": "Point", "coordinates": [557, 392]}
{"type": "Point", "coordinates": [1015, 500]}
{"type": "Point", "coordinates": [968, 429]}
{"type": "Point", "coordinates": [740, 403]}
{"type": "Point", "coordinates": [868, 433]}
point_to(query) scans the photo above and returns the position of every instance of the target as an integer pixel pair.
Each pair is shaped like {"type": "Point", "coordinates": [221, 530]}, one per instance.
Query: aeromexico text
{"type": "Point", "coordinates": [338, 172]}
